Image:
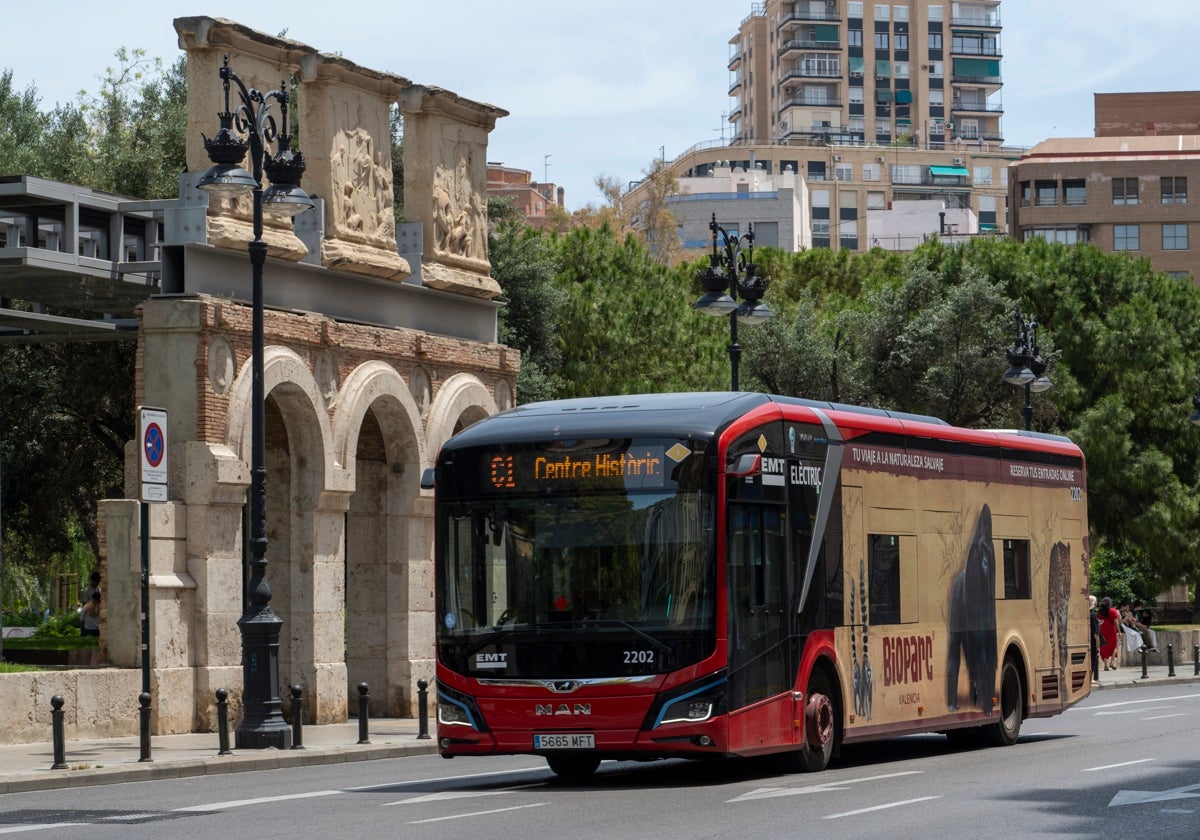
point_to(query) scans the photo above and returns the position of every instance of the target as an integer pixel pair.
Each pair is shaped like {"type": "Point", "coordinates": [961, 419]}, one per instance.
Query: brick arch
{"type": "Point", "coordinates": [284, 369]}
{"type": "Point", "coordinates": [367, 384]}
{"type": "Point", "coordinates": [462, 397]}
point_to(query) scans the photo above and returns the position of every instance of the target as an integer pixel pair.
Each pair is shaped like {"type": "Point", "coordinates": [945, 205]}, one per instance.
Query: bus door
{"type": "Point", "coordinates": [757, 584]}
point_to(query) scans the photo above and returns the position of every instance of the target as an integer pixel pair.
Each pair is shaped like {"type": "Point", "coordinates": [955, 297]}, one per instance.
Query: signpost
{"type": "Point", "coordinates": [153, 440]}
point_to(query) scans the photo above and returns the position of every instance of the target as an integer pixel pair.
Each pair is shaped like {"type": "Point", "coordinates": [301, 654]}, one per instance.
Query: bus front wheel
{"type": "Point", "coordinates": [573, 768]}
{"type": "Point", "coordinates": [820, 726]}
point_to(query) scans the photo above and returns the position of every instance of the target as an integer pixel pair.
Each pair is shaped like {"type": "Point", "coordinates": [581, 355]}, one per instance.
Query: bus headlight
{"type": "Point", "coordinates": [457, 709]}
{"type": "Point", "coordinates": [693, 703]}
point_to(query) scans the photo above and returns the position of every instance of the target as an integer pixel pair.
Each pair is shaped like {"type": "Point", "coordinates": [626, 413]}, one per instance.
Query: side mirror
{"type": "Point", "coordinates": [427, 478]}
{"type": "Point", "coordinates": [748, 464]}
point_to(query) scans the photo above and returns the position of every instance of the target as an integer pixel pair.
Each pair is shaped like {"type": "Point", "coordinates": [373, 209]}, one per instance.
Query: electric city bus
{"type": "Point", "coordinates": [736, 574]}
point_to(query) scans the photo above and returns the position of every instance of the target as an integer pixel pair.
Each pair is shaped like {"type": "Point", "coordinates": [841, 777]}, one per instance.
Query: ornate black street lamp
{"type": "Point", "coordinates": [731, 273]}
{"type": "Point", "coordinates": [262, 722]}
{"type": "Point", "coordinates": [1025, 364]}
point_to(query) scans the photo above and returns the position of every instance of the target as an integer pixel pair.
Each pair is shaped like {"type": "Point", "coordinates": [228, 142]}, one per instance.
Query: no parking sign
{"type": "Point", "coordinates": [153, 444]}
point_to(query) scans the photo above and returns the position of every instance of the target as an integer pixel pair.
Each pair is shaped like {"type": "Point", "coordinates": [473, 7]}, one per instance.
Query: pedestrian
{"type": "Point", "coordinates": [94, 586]}
{"type": "Point", "coordinates": [91, 616]}
{"type": "Point", "coordinates": [1110, 623]}
{"type": "Point", "coordinates": [1094, 624]}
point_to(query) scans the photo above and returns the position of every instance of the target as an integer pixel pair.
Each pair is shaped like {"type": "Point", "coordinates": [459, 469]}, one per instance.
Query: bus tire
{"type": "Point", "coordinates": [820, 726]}
{"type": "Point", "coordinates": [1012, 709]}
{"type": "Point", "coordinates": [573, 768]}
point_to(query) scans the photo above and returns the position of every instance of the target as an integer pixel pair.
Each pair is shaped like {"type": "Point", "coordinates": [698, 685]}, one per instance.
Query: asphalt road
{"type": "Point", "coordinates": [1126, 763]}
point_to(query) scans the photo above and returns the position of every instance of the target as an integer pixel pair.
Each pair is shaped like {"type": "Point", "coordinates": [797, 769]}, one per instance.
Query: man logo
{"type": "Point", "coordinates": [562, 709]}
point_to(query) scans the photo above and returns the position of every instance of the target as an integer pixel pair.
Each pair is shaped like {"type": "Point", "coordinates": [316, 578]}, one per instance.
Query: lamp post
{"type": "Point", "coordinates": [1026, 367]}
{"type": "Point", "coordinates": [731, 273]}
{"type": "Point", "coordinates": [262, 722]}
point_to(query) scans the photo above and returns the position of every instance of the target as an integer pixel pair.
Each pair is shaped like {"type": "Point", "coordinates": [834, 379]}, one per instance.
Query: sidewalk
{"type": "Point", "coordinates": [25, 767]}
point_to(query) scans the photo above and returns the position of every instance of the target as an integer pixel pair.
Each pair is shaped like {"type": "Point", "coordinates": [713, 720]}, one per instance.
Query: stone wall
{"type": "Point", "coordinates": [98, 703]}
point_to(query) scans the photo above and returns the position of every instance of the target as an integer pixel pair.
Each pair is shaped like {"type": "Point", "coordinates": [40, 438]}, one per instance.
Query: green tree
{"type": "Point", "coordinates": [524, 266]}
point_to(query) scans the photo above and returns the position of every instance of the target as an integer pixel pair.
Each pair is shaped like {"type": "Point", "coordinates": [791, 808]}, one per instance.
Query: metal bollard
{"type": "Point", "coordinates": [297, 718]}
{"type": "Point", "coordinates": [362, 713]}
{"type": "Point", "coordinates": [1196, 660]}
{"type": "Point", "coordinates": [223, 722]}
{"type": "Point", "coordinates": [1170, 660]}
{"type": "Point", "coordinates": [56, 726]}
{"type": "Point", "coordinates": [1144, 673]}
{"type": "Point", "coordinates": [422, 708]}
{"type": "Point", "coordinates": [144, 725]}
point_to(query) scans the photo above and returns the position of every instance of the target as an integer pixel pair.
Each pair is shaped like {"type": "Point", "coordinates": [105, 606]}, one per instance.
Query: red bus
{"type": "Point", "coordinates": [736, 574]}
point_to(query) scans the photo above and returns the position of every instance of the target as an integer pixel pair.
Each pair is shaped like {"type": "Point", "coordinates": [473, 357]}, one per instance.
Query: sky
{"type": "Point", "coordinates": [607, 88]}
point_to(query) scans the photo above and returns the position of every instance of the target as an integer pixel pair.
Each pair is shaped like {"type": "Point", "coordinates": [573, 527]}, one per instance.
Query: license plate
{"type": "Point", "coordinates": [565, 741]}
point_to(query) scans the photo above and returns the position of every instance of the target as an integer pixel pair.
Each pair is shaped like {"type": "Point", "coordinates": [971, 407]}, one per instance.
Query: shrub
{"type": "Point", "coordinates": [61, 626]}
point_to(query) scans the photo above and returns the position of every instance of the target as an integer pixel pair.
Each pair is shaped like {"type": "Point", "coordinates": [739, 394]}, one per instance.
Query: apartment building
{"type": "Point", "coordinates": [871, 105]}
{"type": "Point", "coordinates": [533, 199]}
{"type": "Point", "coordinates": [849, 72]}
{"type": "Point", "coordinates": [1124, 194]}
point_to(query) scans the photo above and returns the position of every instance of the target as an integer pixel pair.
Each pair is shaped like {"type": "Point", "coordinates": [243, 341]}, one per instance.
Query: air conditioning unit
{"type": "Point", "coordinates": [881, 159]}
{"type": "Point", "coordinates": [837, 158]}
{"type": "Point", "coordinates": [958, 161]}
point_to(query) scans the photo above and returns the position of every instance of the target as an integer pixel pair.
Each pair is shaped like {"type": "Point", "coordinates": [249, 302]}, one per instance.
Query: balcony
{"type": "Point", "coordinates": [794, 19]}
{"type": "Point", "coordinates": [980, 20]}
{"type": "Point", "coordinates": [831, 70]}
{"type": "Point", "coordinates": [735, 57]}
{"type": "Point", "coordinates": [809, 102]}
{"type": "Point", "coordinates": [970, 107]}
{"type": "Point", "coordinates": [809, 44]}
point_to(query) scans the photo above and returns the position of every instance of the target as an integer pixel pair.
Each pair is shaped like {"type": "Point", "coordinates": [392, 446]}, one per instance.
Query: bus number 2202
{"type": "Point", "coordinates": [639, 657]}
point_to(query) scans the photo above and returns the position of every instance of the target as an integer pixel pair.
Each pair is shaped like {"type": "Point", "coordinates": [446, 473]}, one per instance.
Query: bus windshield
{"type": "Point", "coordinates": [583, 581]}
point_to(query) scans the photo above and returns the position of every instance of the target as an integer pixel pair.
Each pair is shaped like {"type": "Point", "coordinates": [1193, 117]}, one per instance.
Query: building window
{"type": "Point", "coordinates": [935, 40]}
{"type": "Point", "coordinates": [969, 129]}
{"type": "Point", "coordinates": [935, 12]}
{"type": "Point", "coordinates": [900, 69]}
{"type": "Point", "coordinates": [882, 11]}
{"type": "Point", "coordinates": [1174, 190]}
{"type": "Point", "coordinates": [854, 37]}
{"type": "Point", "coordinates": [937, 99]}
{"type": "Point", "coordinates": [1125, 190]}
{"type": "Point", "coordinates": [1074, 193]}
{"type": "Point", "coordinates": [876, 200]}
{"type": "Point", "coordinates": [899, 12]}
{"type": "Point", "coordinates": [870, 172]}
{"type": "Point", "coordinates": [843, 171]}
{"type": "Point", "coordinates": [936, 69]}
{"type": "Point", "coordinates": [854, 9]}
{"type": "Point", "coordinates": [900, 41]}
{"type": "Point", "coordinates": [881, 40]}
{"type": "Point", "coordinates": [1064, 236]}
{"type": "Point", "coordinates": [983, 175]}
{"type": "Point", "coordinates": [1175, 237]}
{"type": "Point", "coordinates": [884, 579]}
{"type": "Point", "coordinates": [856, 96]}
{"type": "Point", "coordinates": [1046, 193]}
{"type": "Point", "coordinates": [1126, 238]}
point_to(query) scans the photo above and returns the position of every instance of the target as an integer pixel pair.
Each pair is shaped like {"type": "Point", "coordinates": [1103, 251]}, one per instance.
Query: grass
{"type": "Point", "coordinates": [14, 668]}
{"type": "Point", "coordinates": [54, 643]}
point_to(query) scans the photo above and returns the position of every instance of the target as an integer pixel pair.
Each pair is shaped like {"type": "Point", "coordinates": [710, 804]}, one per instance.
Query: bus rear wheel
{"type": "Point", "coordinates": [1012, 708]}
{"type": "Point", "coordinates": [573, 768]}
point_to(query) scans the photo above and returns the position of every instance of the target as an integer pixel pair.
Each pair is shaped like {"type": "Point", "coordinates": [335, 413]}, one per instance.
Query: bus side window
{"type": "Point", "coordinates": [884, 578]}
{"type": "Point", "coordinates": [1017, 577]}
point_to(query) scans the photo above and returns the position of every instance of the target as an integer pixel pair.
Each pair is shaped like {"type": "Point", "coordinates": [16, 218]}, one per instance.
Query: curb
{"type": "Point", "coordinates": [269, 759]}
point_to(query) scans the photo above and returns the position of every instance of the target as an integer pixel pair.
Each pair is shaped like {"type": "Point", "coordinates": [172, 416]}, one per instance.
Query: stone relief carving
{"type": "Point", "coordinates": [459, 211]}
{"type": "Point", "coordinates": [418, 386]}
{"type": "Point", "coordinates": [220, 365]}
{"type": "Point", "coordinates": [325, 372]}
{"type": "Point", "coordinates": [364, 208]}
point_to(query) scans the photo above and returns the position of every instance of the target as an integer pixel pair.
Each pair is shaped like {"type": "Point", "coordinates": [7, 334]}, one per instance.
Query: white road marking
{"type": "Point", "coordinates": [771, 792]}
{"type": "Point", "coordinates": [880, 807]}
{"type": "Point", "coordinates": [391, 785]}
{"type": "Point", "coordinates": [238, 803]}
{"type": "Point", "coordinates": [1135, 702]}
{"type": "Point", "coordinates": [1161, 717]}
{"type": "Point", "coordinates": [1133, 711]}
{"type": "Point", "coordinates": [478, 813]}
{"type": "Point", "coordinates": [1140, 797]}
{"type": "Point", "coordinates": [1114, 766]}
{"type": "Point", "coordinates": [446, 794]}
{"type": "Point", "coordinates": [16, 829]}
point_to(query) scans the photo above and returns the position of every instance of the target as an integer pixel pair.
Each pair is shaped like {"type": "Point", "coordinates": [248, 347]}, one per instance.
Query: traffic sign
{"type": "Point", "coordinates": [153, 445]}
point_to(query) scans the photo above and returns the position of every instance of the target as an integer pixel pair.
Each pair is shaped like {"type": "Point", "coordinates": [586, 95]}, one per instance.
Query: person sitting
{"type": "Point", "coordinates": [1141, 622]}
{"type": "Point", "coordinates": [1129, 632]}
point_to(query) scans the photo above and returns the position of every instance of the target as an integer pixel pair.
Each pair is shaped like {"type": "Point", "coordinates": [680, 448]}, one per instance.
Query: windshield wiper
{"type": "Point", "coordinates": [658, 644]}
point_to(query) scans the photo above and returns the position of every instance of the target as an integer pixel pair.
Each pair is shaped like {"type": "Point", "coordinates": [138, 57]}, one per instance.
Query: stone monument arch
{"type": "Point", "coordinates": [372, 359]}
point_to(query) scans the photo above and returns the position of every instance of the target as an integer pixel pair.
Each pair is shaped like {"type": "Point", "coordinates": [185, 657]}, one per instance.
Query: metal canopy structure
{"type": "Point", "coordinates": [74, 262]}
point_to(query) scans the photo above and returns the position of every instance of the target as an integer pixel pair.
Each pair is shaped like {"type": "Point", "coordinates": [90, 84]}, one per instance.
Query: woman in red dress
{"type": "Point", "coordinates": [1110, 622]}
